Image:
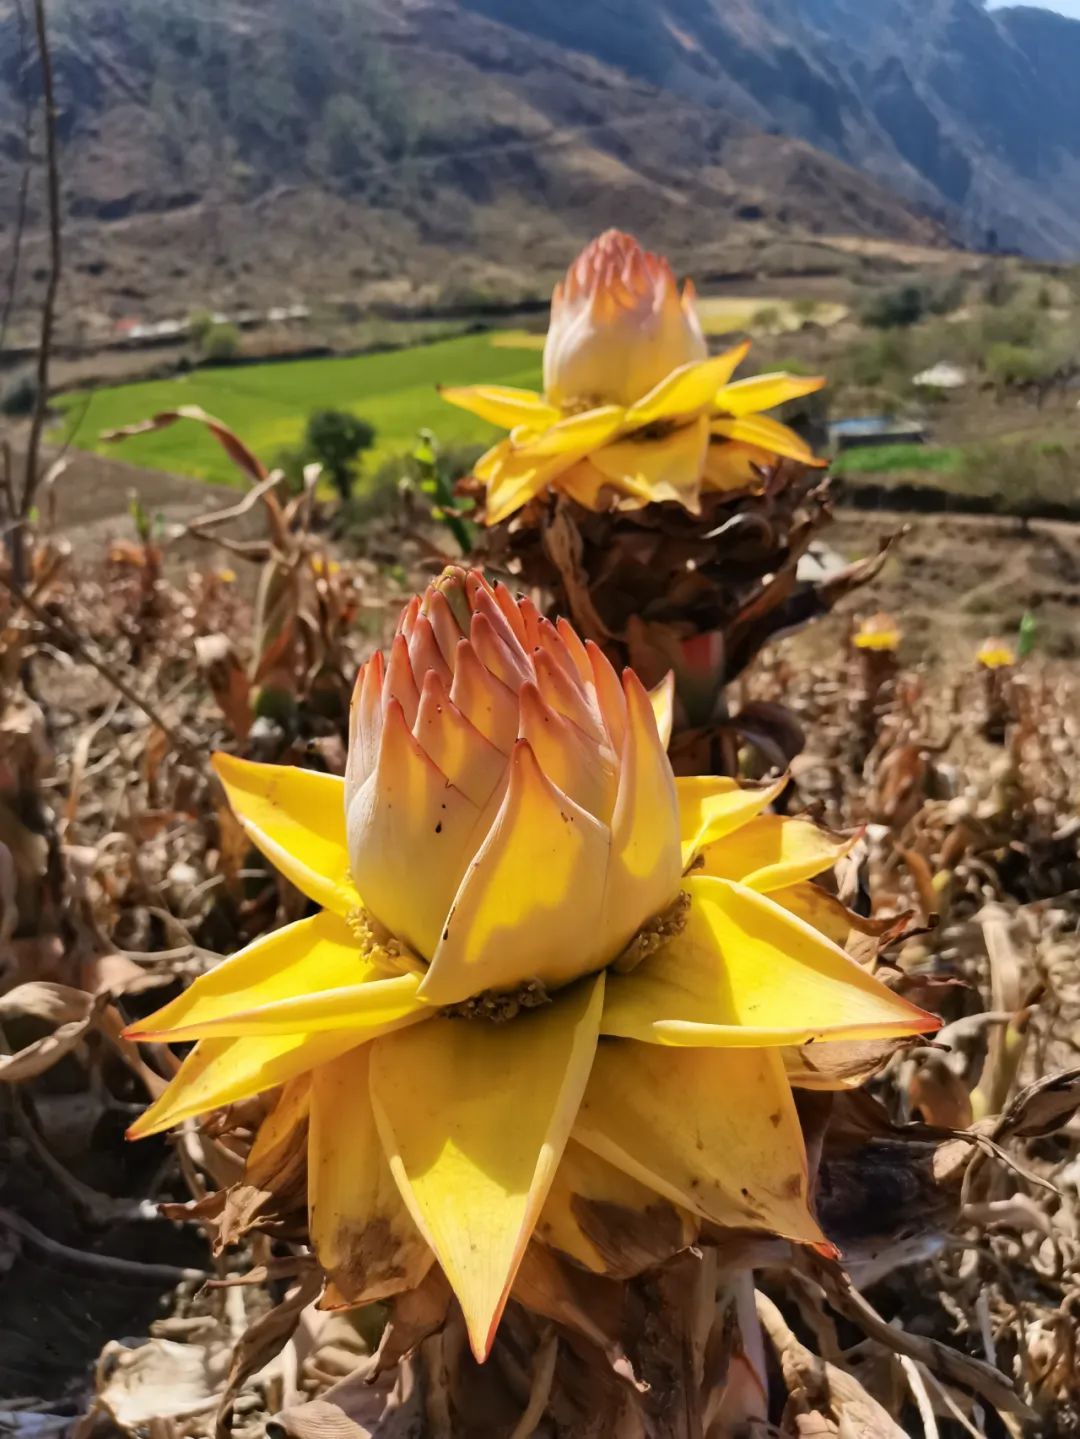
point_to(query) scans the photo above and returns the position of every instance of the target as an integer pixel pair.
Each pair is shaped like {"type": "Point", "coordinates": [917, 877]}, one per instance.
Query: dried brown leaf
{"type": "Point", "coordinates": [262, 1341]}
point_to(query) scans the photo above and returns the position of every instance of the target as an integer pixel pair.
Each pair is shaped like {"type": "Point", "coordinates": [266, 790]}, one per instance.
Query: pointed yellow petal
{"type": "Point", "coordinates": [712, 806]}
{"type": "Point", "coordinates": [686, 390]}
{"type": "Point", "coordinates": [502, 405]}
{"type": "Point", "coordinates": [529, 906]}
{"type": "Point", "coordinates": [770, 852]}
{"type": "Point", "coordinates": [361, 1231]}
{"type": "Point", "coordinates": [607, 1221]}
{"type": "Point", "coordinates": [714, 1131]}
{"type": "Point", "coordinates": [224, 1071]}
{"type": "Point", "coordinates": [765, 392]}
{"type": "Point", "coordinates": [593, 490]}
{"type": "Point", "coordinates": [489, 462]}
{"type": "Point", "coordinates": [404, 810]}
{"type": "Point", "coordinates": [730, 467]}
{"type": "Point", "coordinates": [581, 770]}
{"type": "Point", "coordinates": [309, 976]}
{"type": "Point", "coordinates": [745, 972]}
{"type": "Point", "coordinates": [473, 1118]}
{"type": "Point", "coordinates": [646, 860]}
{"type": "Point", "coordinates": [367, 1010]}
{"type": "Point", "coordinates": [515, 477]}
{"type": "Point", "coordinates": [668, 468]}
{"type": "Point", "coordinates": [296, 817]}
{"type": "Point", "coordinates": [469, 761]}
{"type": "Point", "coordinates": [576, 434]}
{"type": "Point", "coordinates": [662, 699]}
{"type": "Point", "coordinates": [768, 435]}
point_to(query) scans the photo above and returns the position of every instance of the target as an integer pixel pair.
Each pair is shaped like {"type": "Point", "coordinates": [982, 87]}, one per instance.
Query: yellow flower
{"type": "Point", "coordinates": [633, 410]}
{"type": "Point", "coordinates": [572, 979]}
{"type": "Point", "coordinates": [879, 632]}
{"type": "Point", "coordinates": [480, 759]}
{"type": "Point", "coordinates": [995, 654]}
{"type": "Point", "coordinates": [618, 326]}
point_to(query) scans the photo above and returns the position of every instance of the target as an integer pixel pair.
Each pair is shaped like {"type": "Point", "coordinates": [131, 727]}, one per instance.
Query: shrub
{"type": "Point", "coordinates": [220, 342]}
{"type": "Point", "coordinates": [200, 323]}
{"type": "Point", "coordinates": [1008, 364]}
{"type": "Point", "coordinates": [1016, 324]}
{"type": "Point", "coordinates": [881, 362]}
{"type": "Point", "coordinates": [19, 396]}
{"type": "Point", "coordinates": [894, 309]}
{"type": "Point", "coordinates": [768, 318]}
{"type": "Point", "coordinates": [336, 438]}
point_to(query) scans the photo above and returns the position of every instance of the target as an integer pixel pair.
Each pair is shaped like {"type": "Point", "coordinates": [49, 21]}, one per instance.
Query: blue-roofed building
{"type": "Point", "coordinates": [859, 430]}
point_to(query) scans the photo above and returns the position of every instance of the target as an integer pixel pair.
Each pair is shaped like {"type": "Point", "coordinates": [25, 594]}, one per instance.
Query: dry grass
{"type": "Point", "coordinates": [955, 1193]}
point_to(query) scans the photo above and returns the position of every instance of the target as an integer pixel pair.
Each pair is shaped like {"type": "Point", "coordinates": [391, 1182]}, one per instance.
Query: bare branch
{"type": "Point", "coordinates": [24, 182]}
{"type": "Point", "coordinates": [48, 308]}
{"type": "Point", "coordinates": [76, 645]}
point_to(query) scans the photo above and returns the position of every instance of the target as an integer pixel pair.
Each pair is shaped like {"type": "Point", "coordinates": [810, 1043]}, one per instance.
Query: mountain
{"type": "Point", "coordinates": [976, 112]}
{"type": "Point", "coordinates": [252, 152]}
{"type": "Point", "coordinates": [249, 153]}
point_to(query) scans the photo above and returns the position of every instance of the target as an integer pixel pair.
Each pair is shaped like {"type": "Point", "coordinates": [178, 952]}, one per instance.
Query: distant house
{"type": "Point", "coordinates": [942, 376]}
{"type": "Point", "coordinates": [861, 430]}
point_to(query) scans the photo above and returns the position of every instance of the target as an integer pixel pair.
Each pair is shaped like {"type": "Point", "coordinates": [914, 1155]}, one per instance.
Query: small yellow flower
{"type": "Point", "coordinates": [225, 576]}
{"type": "Point", "coordinates": [633, 411]}
{"type": "Point", "coordinates": [879, 632]}
{"type": "Point", "coordinates": [995, 654]}
{"type": "Point", "coordinates": [544, 969]}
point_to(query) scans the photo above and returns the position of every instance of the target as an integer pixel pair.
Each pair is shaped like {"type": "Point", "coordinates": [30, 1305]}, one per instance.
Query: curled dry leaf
{"type": "Point", "coordinates": [158, 1380]}
{"type": "Point", "coordinates": [228, 680]}
{"type": "Point", "coordinates": [233, 446]}
{"type": "Point", "coordinates": [366, 1405]}
{"type": "Point", "coordinates": [71, 1010]}
{"type": "Point", "coordinates": [263, 1341]}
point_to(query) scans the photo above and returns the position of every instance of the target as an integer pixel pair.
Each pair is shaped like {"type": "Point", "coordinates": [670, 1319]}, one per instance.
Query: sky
{"type": "Point", "coordinates": [1063, 7]}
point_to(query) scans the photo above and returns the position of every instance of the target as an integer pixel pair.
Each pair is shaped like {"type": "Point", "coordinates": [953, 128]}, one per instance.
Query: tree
{"type": "Point", "coordinates": [335, 438]}
{"type": "Point", "coordinates": [200, 323]}
{"type": "Point", "coordinates": [221, 342]}
{"type": "Point", "coordinates": [896, 309]}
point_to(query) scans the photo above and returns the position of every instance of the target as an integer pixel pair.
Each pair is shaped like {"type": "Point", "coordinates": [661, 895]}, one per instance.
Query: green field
{"type": "Point", "coordinates": [267, 405]}
{"type": "Point", "coordinates": [898, 459]}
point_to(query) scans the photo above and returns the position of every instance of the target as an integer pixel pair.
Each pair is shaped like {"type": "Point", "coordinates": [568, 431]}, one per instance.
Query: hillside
{"type": "Point", "coordinates": [404, 151]}
{"type": "Point", "coordinates": [974, 112]}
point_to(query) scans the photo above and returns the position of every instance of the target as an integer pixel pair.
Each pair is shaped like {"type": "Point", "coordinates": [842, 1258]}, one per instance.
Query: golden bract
{"type": "Point", "coordinates": [618, 326]}
{"type": "Point", "coordinates": [634, 411]}
{"type": "Point", "coordinates": [503, 761]}
{"type": "Point", "coordinates": [642, 1057]}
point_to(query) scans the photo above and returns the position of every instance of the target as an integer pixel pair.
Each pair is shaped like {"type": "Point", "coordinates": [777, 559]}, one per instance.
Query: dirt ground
{"type": "Point", "coordinates": [955, 579]}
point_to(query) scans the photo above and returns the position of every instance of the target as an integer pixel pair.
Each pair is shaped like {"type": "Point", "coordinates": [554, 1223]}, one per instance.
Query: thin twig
{"type": "Point", "coordinates": [24, 182]}
{"type": "Point", "coordinates": [923, 1402]}
{"type": "Point", "coordinates": [540, 1392]}
{"type": "Point", "coordinates": [107, 1264]}
{"type": "Point", "coordinates": [72, 640]}
{"type": "Point", "coordinates": [48, 308]}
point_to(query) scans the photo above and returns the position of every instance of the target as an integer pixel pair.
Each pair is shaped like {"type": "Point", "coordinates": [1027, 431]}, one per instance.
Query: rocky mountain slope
{"type": "Point", "coordinates": [975, 111]}
{"type": "Point", "coordinates": [253, 152]}
{"type": "Point", "coordinates": [417, 152]}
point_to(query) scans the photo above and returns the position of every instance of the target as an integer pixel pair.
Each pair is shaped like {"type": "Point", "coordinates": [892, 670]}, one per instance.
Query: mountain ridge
{"type": "Point", "coordinates": [418, 151]}
{"type": "Point", "coordinates": [941, 99]}
{"type": "Point", "coordinates": [382, 150]}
